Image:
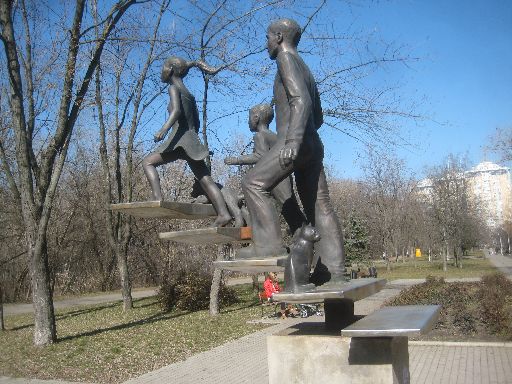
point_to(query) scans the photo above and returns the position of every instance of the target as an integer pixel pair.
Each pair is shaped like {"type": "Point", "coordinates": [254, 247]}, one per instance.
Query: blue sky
{"type": "Point", "coordinates": [465, 73]}
{"type": "Point", "coordinates": [462, 80]}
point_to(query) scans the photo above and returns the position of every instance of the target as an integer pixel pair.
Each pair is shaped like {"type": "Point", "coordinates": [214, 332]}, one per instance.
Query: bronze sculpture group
{"type": "Point", "coordinates": [296, 150]}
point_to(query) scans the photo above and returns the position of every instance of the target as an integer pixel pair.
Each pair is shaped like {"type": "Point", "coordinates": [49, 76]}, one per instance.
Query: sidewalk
{"type": "Point", "coordinates": [16, 309]}
{"type": "Point", "coordinates": [244, 360]}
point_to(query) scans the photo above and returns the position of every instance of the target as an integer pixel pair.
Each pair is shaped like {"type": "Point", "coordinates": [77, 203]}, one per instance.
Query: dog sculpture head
{"type": "Point", "coordinates": [306, 234]}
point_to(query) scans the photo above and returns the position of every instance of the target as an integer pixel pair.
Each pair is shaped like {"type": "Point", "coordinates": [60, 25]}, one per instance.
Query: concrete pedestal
{"type": "Point", "coordinates": [311, 354]}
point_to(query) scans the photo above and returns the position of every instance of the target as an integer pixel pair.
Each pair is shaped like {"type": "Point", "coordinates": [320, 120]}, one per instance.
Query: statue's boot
{"type": "Point", "coordinates": [330, 267]}
{"type": "Point", "coordinates": [324, 278]}
{"type": "Point", "coordinates": [335, 281]}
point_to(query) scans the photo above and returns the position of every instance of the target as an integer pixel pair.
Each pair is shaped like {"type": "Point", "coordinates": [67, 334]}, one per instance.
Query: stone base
{"type": "Point", "coordinates": [311, 354]}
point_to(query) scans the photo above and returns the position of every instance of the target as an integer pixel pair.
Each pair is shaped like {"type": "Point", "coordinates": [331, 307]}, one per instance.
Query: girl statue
{"type": "Point", "coordinates": [183, 140]}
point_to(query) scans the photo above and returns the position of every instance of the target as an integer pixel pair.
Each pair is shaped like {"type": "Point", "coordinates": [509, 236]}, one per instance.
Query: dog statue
{"type": "Point", "coordinates": [298, 263]}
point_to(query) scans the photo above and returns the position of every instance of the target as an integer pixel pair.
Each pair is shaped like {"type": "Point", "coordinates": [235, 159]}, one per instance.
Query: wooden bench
{"type": "Point", "coordinates": [371, 350]}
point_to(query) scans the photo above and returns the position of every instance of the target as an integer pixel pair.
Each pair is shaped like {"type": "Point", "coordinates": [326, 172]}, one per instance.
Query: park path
{"type": "Point", "coordinates": [16, 309]}
{"type": "Point", "coordinates": [503, 263]}
{"type": "Point", "coordinates": [245, 360]}
{"type": "Point", "coordinates": [110, 297]}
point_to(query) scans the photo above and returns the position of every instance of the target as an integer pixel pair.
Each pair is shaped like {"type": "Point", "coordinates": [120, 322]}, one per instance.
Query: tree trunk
{"type": "Point", "coordinates": [124, 275]}
{"type": "Point", "coordinates": [2, 326]}
{"type": "Point", "coordinates": [255, 283]}
{"type": "Point", "coordinates": [216, 280]}
{"type": "Point", "coordinates": [45, 331]}
{"type": "Point", "coordinates": [445, 259]}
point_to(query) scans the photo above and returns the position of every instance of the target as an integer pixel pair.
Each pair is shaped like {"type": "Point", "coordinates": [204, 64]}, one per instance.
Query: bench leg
{"type": "Point", "coordinates": [339, 313]}
{"type": "Point", "coordinates": [370, 351]}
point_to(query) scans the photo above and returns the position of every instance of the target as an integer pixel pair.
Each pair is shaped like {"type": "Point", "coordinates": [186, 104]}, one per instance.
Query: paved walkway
{"type": "Point", "coordinates": [245, 360]}
{"type": "Point", "coordinates": [16, 309]}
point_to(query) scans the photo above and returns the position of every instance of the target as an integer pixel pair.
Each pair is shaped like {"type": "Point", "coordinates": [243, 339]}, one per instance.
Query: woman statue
{"type": "Point", "coordinates": [183, 141]}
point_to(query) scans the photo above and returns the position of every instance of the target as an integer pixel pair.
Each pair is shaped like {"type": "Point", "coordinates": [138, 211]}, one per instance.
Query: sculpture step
{"type": "Point", "coordinates": [354, 290]}
{"type": "Point", "coordinates": [217, 235]}
{"type": "Point", "coordinates": [269, 264]}
{"type": "Point", "coordinates": [166, 209]}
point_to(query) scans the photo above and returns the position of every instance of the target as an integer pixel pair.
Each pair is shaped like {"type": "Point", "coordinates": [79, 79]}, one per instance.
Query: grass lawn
{"type": "Point", "coordinates": [419, 268]}
{"type": "Point", "coordinates": [102, 344]}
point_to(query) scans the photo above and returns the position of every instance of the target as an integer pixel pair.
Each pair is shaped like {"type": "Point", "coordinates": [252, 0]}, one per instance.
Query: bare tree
{"type": "Point", "coordinates": [119, 181]}
{"type": "Point", "coordinates": [2, 326]}
{"type": "Point", "coordinates": [457, 215]}
{"type": "Point", "coordinates": [388, 192]}
{"type": "Point", "coordinates": [501, 143]}
{"type": "Point", "coordinates": [38, 172]}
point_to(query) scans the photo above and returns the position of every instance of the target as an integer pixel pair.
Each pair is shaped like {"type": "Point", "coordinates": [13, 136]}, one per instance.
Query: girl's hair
{"type": "Point", "coordinates": [178, 65]}
{"type": "Point", "coordinates": [181, 66]}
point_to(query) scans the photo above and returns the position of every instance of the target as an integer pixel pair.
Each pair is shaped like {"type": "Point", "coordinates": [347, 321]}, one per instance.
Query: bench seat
{"type": "Point", "coordinates": [407, 320]}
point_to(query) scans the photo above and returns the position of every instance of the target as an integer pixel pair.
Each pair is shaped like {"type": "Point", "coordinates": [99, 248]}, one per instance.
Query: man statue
{"type": "Point", "coordinates": [298, 150]}
{"type": "Point", "coordinates": [260, 117]}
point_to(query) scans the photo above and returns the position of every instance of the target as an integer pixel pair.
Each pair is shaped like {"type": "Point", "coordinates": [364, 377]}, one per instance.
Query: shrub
{"type": "Point", "coordinates": [466, 308]}
{"type": "Point", "coordinates": [496, 303]}
{"type": "Point", "coordinates": [455, 300]}
{"type": "Point", "coordinates": [191, 291]}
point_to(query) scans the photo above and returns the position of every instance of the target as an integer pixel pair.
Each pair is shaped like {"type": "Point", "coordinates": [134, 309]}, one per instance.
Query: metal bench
{"type": "Point", "coordinates": [338, 300]}
{"type": "Point", "coordinates": [383, 336]}
{"type": "Point", "coordinates": [371, 350]}
{"type": "Point", "coordinates": [407, 320]}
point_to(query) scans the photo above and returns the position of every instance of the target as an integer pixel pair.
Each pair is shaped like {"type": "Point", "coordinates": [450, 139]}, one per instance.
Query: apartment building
{"type": "Point", "coordinates": [490, 183]}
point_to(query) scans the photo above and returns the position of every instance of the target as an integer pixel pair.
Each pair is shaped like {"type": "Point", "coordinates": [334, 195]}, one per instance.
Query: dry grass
{"type": "Point", "coordinates": [420, 268]}
{"type": "Point", "coordinates": [104, 345]}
